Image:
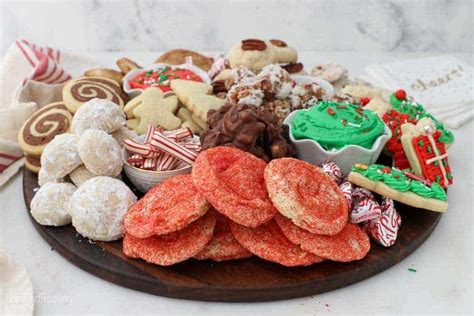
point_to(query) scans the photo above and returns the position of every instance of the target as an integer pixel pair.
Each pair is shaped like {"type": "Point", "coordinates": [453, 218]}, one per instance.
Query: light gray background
{"type": "Point", "coordinates": [319, 25]}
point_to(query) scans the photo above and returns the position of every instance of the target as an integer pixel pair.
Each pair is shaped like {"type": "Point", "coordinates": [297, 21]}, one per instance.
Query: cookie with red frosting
{"type": "Point", "coordinates": [172, 248]}
{"type": "Point", "coordinates": [268, 242]}
{"type": "Point", "coordinates": [232, 181]}
{"type": "Point", "coordinates": [350, 244]}
{"type": "Point", "coordinates": [168, 207]}
{"type": "Point", "coordinates": [305, 194]}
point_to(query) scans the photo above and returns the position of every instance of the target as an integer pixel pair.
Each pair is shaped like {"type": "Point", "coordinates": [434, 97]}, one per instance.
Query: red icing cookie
{"type": "Point", "coordinates": [232, 181]}
{"type": "Point", "coordinates": [394, 120]}
{"type": "Point", "coordinates": [352, 243]}
{"type": "Point", "coordinates": [268, 242]}
{"type": "Point", "coordinates": [306, 195]}
{"type": "Point", "coordinates": [162, 78]}
{"type": "Point", "coordinates": [168, 207]}
{"type": "Point", "coordinates": [172, 248]}
{"type": "Point", "coordinates": [223, 246]}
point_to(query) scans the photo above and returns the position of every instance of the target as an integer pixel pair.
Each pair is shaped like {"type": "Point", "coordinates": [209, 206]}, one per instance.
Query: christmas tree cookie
{"type": "Point", "coordinates": [404, 187]}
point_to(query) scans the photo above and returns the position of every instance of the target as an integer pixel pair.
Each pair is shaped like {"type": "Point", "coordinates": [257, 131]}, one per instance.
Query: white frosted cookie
{"type": "Point", "coordinates": [50, 205]}
{"type": "Point", "coordinates": [253, 54]}
{"type": "Point", "coordinates": [99, 206]}
{"type": "Point", "coordinates": [44, 177]}
{"type": "Point", "coordinates": [61, 156]}
{"type": "Point", "coordinates": [124, 133]}
{"type": "Point", "coordinates": [99, 114]}
{"type": "Point", "coordinates": [100, 153]}
{"type": "Point", "coordinates": [80, 175]}
{"type": "Point", "coordinates": [284, 54]}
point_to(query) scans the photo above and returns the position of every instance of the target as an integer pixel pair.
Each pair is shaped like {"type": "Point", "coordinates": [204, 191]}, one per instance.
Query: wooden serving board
{"type": "Point", "coordinates": [247, 280]}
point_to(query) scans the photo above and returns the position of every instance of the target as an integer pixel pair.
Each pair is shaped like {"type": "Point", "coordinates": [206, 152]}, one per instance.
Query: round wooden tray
{"type": "Point", "coordinates": [247, 280]}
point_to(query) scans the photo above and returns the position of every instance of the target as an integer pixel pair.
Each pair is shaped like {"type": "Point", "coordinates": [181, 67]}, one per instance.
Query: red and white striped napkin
{"type": "Point", "coordinates": [31, 76]}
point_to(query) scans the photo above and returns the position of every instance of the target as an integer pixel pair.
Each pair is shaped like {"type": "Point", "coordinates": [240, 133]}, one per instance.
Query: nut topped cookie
{"type": "Point", "coordinates": [253, 54]}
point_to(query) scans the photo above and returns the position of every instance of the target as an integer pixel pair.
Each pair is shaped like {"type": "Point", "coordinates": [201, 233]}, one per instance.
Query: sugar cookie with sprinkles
{"type": "Point", "coordinates": [172, 248]}
{"type": "Point", "coordinates": [80, 90]}
{"type": "Point", "coordinates": [350, 244]}
{"type": "Point", "coordinates": [404, 187]}
{"type": "Point", "coordinates": [168, 207]}
{"type": "Point", "coordinates": [232, 181]}
{"type": "Point", "coordinates": [223, 246]}
{"type": "Point", "coordinates": [268, 242]}
{"type": "Point", "coordinates": [305, 194]}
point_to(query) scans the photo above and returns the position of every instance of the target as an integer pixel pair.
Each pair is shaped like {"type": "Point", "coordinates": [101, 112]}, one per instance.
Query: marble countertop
{"type": "Point", "coordinates": [444, 263]}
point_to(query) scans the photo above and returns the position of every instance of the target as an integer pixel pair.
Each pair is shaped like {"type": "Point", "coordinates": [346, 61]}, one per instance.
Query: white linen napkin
{"type": "Point", "coordinates": [443, 84]}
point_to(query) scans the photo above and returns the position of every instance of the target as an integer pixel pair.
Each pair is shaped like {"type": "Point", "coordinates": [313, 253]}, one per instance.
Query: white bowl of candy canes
{"type": "Point", "coordinates": [152, 158]}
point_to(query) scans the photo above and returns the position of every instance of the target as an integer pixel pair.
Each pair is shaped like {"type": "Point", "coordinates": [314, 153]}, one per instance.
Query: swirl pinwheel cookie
{"type": "Point", "coordinates": [78, 91]}
{"type": "Point", "coordinates": [41, 128]}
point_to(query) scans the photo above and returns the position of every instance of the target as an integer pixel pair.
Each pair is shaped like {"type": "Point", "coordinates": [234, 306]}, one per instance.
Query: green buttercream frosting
{"type": "Point", "coordinates": [397, 180]}
{"type": "Point", "coordinates": [335, 125]}
{"type": "Point", "coordinates": [417, 111]}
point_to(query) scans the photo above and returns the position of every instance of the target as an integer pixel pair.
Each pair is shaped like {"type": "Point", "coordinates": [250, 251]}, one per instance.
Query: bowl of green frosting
{"type": "Point", "coordinates": [342, 132]}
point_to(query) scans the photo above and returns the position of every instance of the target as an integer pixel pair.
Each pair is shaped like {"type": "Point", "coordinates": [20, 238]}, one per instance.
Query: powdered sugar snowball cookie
{"type": "Point", "coordinates": [44, 177]}
{"type": "Point", "coordinates": [100, 153]}
{"type": "Point", "coordinates": [124, 133]}
{"type": "Point", "coordinates": [50, 205]}
{"type": "Point", "coordinates": [305, 194]}
{"type": "Point", "coordinates": [98, 114]}
{"type": "Point", "coordinates": [61, 155]}
{"type": "Point", "coordinates": [80, 175]}
{"type": "Point", "coordinates": [98, 208]}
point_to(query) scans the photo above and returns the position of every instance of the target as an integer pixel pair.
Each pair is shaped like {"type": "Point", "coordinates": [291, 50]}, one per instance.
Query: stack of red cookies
{"type": "Point", "coordinates": [235, 205]}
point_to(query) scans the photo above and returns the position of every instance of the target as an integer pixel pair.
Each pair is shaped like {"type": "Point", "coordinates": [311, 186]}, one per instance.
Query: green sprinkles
{"type": "Point", "coordinates": [412, 269]}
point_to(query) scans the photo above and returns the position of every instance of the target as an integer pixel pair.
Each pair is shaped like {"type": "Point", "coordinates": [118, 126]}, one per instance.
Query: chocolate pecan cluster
{"type": "Point", "coordinates": [248, 127]}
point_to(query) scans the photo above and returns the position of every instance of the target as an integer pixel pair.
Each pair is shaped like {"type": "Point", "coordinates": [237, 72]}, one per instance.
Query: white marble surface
{"type": "Point", "coordinates": [146, 25]}
{"type": "Point", "coordinates": [444, 263]}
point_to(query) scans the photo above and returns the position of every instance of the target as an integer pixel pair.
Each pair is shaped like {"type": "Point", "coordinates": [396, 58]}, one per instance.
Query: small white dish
{"type": "Point", "coordinates": [135, 72]}
{"type": "Point", "coordinates": [310, 151]}
{"type": "Point", "coordinates": [144, 180]}
{"type": "Point", "coordinates": [304, 79]}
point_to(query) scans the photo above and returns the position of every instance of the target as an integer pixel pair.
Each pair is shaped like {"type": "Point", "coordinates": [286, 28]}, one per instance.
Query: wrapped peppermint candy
{"type": "Point", "coordinates": [364, 206]}
{"type": "Point", "coordinates": [347, 189]}
{"type": "Point", "coordinates": [384, 229]}
{"type": "Point", "coordinates": [333, 170]}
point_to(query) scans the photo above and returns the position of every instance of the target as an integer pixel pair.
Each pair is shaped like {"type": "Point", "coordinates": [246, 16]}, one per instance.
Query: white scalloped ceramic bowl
{"type": "Point", "coordinates": [135, 72]}
{"type": "Point", "coordinates": [310, 150]}
{"type": "Point", "coordinates": [144, 180]}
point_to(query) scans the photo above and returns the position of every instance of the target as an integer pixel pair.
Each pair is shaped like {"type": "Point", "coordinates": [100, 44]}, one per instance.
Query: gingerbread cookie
{"type": "Point", "coordinates": [253, 54]}
{"type": "Point", "coordinates": [78, 91]}
{"type": "Point", "coordinates": [425, 152]}
{"type": "Point", "coordinates": [98, 208]}
{"type": "Point", "coordinates": [61, 156]}
{"type": "Point", "coordinates": [400, 186]}
{"type": "Point", "coordinates": [50, 205]}
{"type": "Point", "coordinates": [98, 114]}
{"type": "Point", "coordinates": [186, 117]}
{"type": "Point", "coordinates": [178, 57]}
{"type": "Point", "coordinates": [100, 153]}
{"type": "Point", "coordinates": [151, 107]}
{"type": "Point", "coordinates": [40, 129]}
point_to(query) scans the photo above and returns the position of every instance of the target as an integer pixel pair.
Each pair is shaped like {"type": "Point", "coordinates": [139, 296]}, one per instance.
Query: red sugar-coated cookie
{"type": "Point", "coordinates": [223, 246]}
{"type": "Point", "coordinates": [268, 242]}
{"type": "Point", "coordinates": [170, 206]}
{"type": "Point", "coordinates": [232, 181]}
{"type": "Point", "coordinates": [352, 243]}
{"type": "Point", "coordinates": [306, 195]}
{"type": "Point", "coordinates": [172, 248]}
